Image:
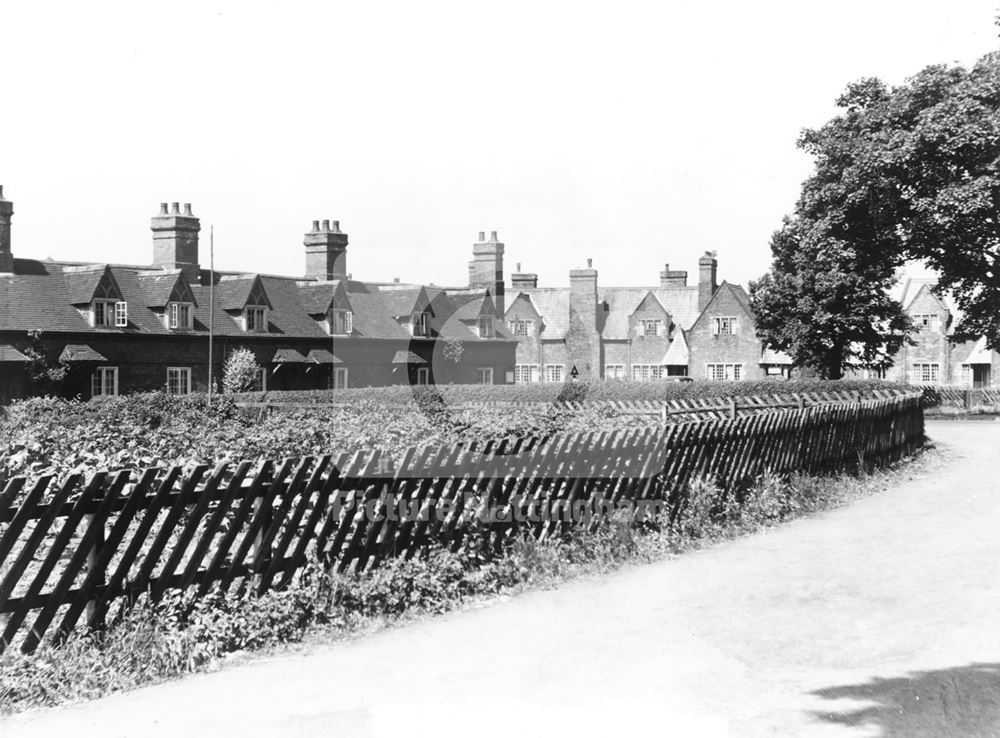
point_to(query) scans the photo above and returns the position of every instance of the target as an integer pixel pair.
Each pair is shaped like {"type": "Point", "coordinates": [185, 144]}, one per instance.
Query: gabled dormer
{"type": "Point", "coordinates": [328, 304]}
{"type": "Point", "coordinates": [649, 319]}
{"type": "Point", "coordinates": [245, 300]}
{"type": "Point", "coordinates": [412, 309]}
{"type": "Point", "coordinates": [523, 318]}
{"type": "Point", "coordinates": [169, 295]}
{"type": "Point", "coordinates": [94, 292]}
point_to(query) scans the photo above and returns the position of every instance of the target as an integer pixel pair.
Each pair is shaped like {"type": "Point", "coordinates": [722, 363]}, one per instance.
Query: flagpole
{"type": "Point", "coordinates": [211, 304]}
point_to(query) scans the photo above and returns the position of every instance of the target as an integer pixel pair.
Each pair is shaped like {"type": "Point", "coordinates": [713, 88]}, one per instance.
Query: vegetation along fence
{"type": "Point", "coordinates": [86, 549]}
{"type": "Point", "coordinates": [962, 398]}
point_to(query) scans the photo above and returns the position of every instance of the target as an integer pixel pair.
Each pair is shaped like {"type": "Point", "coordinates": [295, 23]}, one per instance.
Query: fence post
{"type": "Point", "coordinates": [732, 408]}
{"type": "Point", "coordinates": [91, 614]}
{"type": "Point", "coordinates": [967, 399]}
{"type": "Point", "coordinates": [801, 400]}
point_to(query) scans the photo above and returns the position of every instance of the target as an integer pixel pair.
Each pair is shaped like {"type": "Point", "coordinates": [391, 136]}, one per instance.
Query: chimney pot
{"type": "Point", "coordinates": [187, 209]}
{"type": "Point", "coordinates": [326, 226]}
{"type": "Point", "coordinates": [315, 226]}
{"type": "Point", "coordinates": [482, 236]}
{"type": "Point", "coordinates": [335, 224]}
{"type": "Point", "coordinates": [590, 263]}
{"type": "Point", "coordinates": [518, 266]}
{"type": "Point", "coordinates": [176, 207]}
{"type": "Point", "coordinates": [493, 235]}
{"type": "Point", "coordinates": [163, 208]}
{"type": "Point", "coordinates": [1, 192]}
{"type": "Point", "coordinates": [395, 280]}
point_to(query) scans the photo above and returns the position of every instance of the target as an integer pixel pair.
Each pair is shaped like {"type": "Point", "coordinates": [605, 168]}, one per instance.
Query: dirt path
{"type": "Point", "coordinates": [882, 618]}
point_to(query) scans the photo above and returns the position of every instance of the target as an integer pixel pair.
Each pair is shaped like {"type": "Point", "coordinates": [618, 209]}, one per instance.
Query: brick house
{"type": "Point", "coordinates": [124, 328]}
{"type": "Point", "coordinates": [705, 331]}
{"type": "Point", "coordinates": [937, 355]}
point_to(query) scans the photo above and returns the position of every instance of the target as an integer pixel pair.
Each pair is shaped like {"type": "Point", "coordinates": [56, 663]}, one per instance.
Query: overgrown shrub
{"type": "Point", "coordinates": [240, 372]}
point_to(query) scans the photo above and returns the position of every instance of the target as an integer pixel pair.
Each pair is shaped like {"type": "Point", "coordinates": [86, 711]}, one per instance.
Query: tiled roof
{"type": "Point", "coordinates": [406, 357]}
{"type": "Point", "coordinates": [322, 356]}
{"type": "Point", "coordinates": [80, 352]}
{"type": "Point", "coordinates": [38, 295]}
{"type": "Point", "coordinates": [9, 353]}
{"type": "Point", "coordinates": [770, 356]}
{"type": "Point", "coordinates": [288, 356]}
{"type": "Point", "coordinates": [677, 353]}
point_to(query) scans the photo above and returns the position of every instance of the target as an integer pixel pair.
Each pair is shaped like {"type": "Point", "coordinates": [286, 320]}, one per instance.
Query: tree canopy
{"type": "Point", "coordinates": [904, 173]}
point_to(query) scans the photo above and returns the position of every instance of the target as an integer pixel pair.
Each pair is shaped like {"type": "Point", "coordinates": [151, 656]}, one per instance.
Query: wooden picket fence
{"type": "Point", "coordinates": [86, 549]}
{"type": "Point", "coordinates": [962, 398]}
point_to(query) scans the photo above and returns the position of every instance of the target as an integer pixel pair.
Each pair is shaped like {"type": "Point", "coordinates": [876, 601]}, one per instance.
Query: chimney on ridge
{"type": "Point", "coordinates": [523, 280]}
{"type": "Point", "coordinates": [6, 255]}
{"type": "Point", "coordinates": [175, 240]}
{"type": "Point", "coordinates": [326, 251]}
{"type": "Point", "coordinates": [708, 267]}
{"type": "Point", "coordinates": [669, 278]}
{"type": "Point", "coordinates": [486, 269]}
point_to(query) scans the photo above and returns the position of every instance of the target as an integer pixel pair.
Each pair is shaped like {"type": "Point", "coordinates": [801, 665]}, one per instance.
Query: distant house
{"type": "Point", "coordinates": [938, 355]}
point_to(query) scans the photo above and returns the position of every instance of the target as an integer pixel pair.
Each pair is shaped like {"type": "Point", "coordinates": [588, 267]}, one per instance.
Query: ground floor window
{"type": "Point", "coordinates": [646, 372]}
{"type": "Point", "coordinates": [178, 380]}
{"type": "Point", "coordinates": [966, 375]}
{"type": "Point", "coordinates": [340, 377]}
{"type": "Point", "coordinates": [423, 375]}
{"type": "Point", "coordinates": [260, 381]}
{"type": "Point", "coordinates": [614, 371]}
{"type": "Point", "coordinates": [776, 370]}
{"type": "Point", "coordinates": [554, 372]}
{"type": "Point", "coordinates": [104, 381]}
{"type": "Point", "coordinates": [677, 370]}
{"type": "Point", "coordinates": [524, 373]}
{"type": "Point", "coordinates": [724, 372]}
{"type": "Point", "coordinates": [926, 373]}
{"type": "Point", "coordinates": [484, 375]}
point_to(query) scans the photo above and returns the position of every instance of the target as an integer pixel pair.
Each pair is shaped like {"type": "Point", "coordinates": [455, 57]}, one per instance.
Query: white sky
{"type": "Point", "coordinates": [631, 133]}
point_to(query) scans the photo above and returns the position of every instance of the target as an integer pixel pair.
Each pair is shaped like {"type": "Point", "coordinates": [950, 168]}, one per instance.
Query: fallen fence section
{"type": "Point", "coordinates": [70, 553]}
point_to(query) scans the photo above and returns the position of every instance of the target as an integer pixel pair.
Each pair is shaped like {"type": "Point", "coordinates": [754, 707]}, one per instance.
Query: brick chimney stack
{"type": "Point", "coordinates": [673, 278]}
{"type": "Point", "coordinates": [486, 269]}
{"type": "Point", "coordinates": [326, 250]}
{"type": "Point", "coordinates": [523, 280]}
{"type": "Point", "coordinates": [175, 240]}
{"type": "Point", "coordinates": [583, 344]}
{"type": "Point", "coordinates": [708, 267]}
{"type": "Point", "coordinates": [6, 255]}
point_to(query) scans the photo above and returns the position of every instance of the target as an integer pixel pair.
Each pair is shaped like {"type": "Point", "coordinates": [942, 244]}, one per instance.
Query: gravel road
{"type": "Point", "coordinates": [880, 618]}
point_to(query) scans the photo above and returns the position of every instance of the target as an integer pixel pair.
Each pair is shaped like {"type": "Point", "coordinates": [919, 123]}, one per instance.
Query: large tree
{"type": "Point", "coordinates": [908, 173]}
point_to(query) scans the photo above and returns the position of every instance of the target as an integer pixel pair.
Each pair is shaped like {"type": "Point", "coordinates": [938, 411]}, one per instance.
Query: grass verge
{"type": "Point", "coordinates": [181, 635]}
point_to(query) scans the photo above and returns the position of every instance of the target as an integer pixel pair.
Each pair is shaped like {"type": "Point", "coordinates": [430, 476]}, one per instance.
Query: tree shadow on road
{"type": "Point", "coordinates": [962, 701]}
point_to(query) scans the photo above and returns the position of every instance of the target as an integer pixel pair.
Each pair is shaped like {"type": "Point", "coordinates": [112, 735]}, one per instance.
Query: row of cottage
{"type": "Point", "coordinates": [113, 328]}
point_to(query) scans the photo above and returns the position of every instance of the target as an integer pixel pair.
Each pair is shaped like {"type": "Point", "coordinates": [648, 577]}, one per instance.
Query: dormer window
{"type": "Point", "coordinates": [341, 322]}
{"type": "Point", "coordinates": [420, 325]}
{"type": "Point", "coordinates": [522, 328]}
{"type": "Point", "coordinates": [255, 319]}
{"type": "Point", "coordinates": [109, 314]}
{"type": "Point", "coordinates": [649, 328]}
{"type": "Point", "coordinates": [485, 327]}
{"type": "Point", "coordinates": [179, 315]}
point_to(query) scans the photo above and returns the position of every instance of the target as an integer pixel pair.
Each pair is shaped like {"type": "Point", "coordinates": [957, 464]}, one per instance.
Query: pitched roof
{"type": "Point", "coordinates": [83, 283]}
{"type": "Point", "coordinates": [552, 306]}
{"type": "Point", "coordinates": [770, 356]}
{"type": "Point", "coordinates": [980, 354]}
{"type": "Point", "coordinates": [80, 352]}
{"type": "Point", "coordinates": [163, 286]}
{"type": "Point", "coordinates": [401, 301]}
{"type": "Point", "coordinates": [9, 353]}
{"type": "Point", "coordinates": [234, 292]}
{"type": "Point", "coordinates": [322, 356]}
{"type": "Point", "coordinates": [406, 357]}
{"type": "Point", "coordinates": [677, 353]}
{"type": "Point", "coordinates": [288, 356]}
{"type": "Point", "coordinates": [316, 297]}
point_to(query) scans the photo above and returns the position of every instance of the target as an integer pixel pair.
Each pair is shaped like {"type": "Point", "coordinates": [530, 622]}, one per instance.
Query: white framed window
{"type": "Point", "coordinates": [486, 327]}
{"type": "Point", "coordinates": [104, 313]}
{"type": "Point", "coordinates": [178, 380]}
{"type": "Point", "coordinates": [341, 322]}
{"type": "Point", "coordinates": [340, 377]}
{"type": "Point", "coordinates": [179, 315]}
{"type": "Point", "coordinates": [649, 328]}
{"type": "Point", "coordinates": [926, 373]}
{"type": "Point", "coordinates": [930, 322]}
{"type": "Point", "coordinates": [873, 373]}
{"type": "Point", "coordinates": [646, 372]}
{"type": "Point", "coordinates": [420, 324]}
{"type": "Point", "coordinates": [554, 372]}
{"type": "Point", "coordinates": [104, 381]}
{"type": "Point", "coordinates": [965, 375]}
{"type": "Point", "coordinates": [614, 371]}
{"type": "Point", "coordinates": [522, 328]}
{"type": "Point", "coordinates": [255, 319]}
{"type": "Point", "coordinates": [423, 375]}
{"type": "Point", "coordinates": [525, 373]}
{"type": "Point", "coordinates": [484, 375]}
{"type": "Point", "coordinates": [724, 372]}
{"type": "Point", "coordinates": [121, 314]}
{"type": "Point", "coordinates": [724, 326]}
